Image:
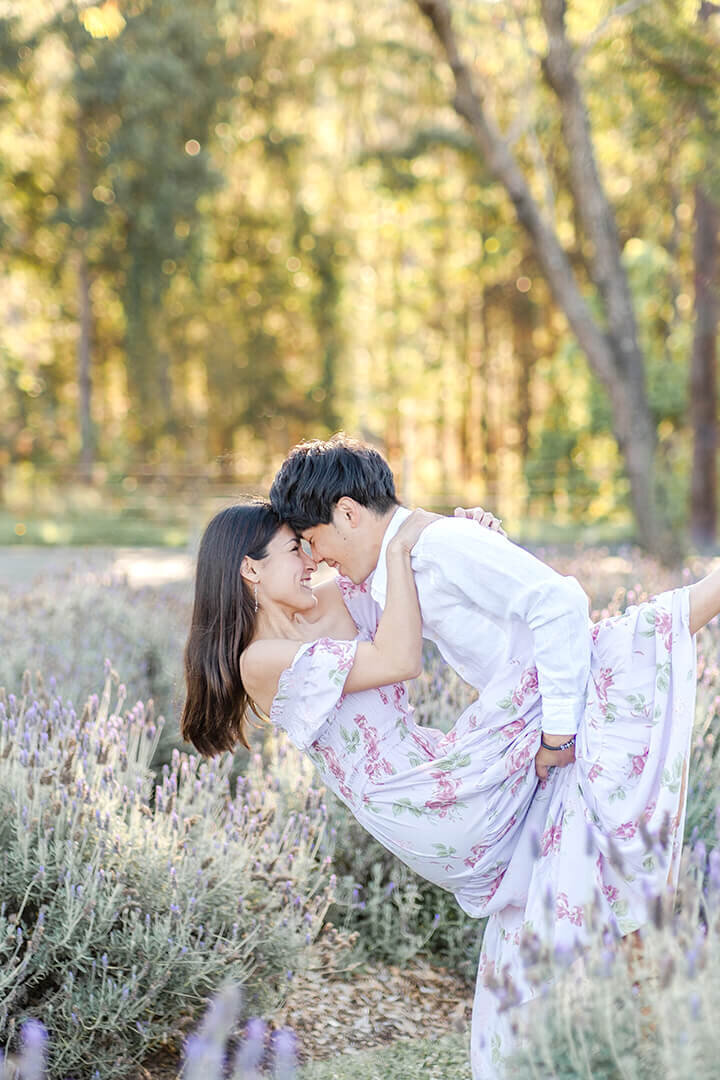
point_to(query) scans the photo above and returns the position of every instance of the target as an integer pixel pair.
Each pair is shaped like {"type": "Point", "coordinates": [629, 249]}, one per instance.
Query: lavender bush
{"type": "Point", "coordinates": [640, 1008]}
{"type": "Point", "coordinates": [393, 913]}
{"type": "Point", "coordinates": [65, 626]}
{"type": "Point", "coordinates": [126, 903]}
{"type": "Point", "coordinates": [205, 1053]}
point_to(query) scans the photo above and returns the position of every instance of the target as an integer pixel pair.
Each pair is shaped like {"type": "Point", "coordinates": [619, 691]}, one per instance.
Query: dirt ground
{"type": "Point", "coordinates": [359, 1010]}
{"type": "Point", "coordinates": [330, 1013]}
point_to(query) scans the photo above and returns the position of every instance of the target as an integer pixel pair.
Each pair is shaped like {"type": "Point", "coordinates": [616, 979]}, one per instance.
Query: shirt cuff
{"type": "Point", "coordinates": [561, 715]}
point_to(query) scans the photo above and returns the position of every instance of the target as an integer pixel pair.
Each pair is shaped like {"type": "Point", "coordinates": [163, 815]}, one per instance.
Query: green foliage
{"type": "Point", "coordinates": [70, 626]}
{"type": "Point", "coordinates": [642, 1010]}
{"type": "Point", "coordinates": [124, 904]}
{"type": "Point", "coordinates": [59, 769]}
{"type": "Point", "coordinates": [284, 229]}
{"type": "Point", "coordinates": [419, 1059]}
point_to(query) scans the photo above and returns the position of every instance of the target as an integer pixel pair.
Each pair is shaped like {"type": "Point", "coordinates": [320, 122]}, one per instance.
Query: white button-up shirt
{"type": "Point", "coordinates": [486, 602]}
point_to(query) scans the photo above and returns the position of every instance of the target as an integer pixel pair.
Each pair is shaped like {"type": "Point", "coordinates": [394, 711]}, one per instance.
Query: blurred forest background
{"type": "Point", "coordinates": [489, 244]}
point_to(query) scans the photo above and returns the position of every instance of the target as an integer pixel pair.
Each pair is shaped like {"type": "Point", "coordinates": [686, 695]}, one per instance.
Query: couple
{"type": "Point", "coordinates": [480, 809]}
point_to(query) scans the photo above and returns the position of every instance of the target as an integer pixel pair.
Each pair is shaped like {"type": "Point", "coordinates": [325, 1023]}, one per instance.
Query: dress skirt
{"type": "Point", "coordinates": [604, 835]}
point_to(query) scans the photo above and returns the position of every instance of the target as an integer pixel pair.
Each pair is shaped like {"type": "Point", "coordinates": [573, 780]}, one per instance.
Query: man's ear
{"type": "Point", "coordinates": [349, 511]}
{"type": "Point", "coordinates": [248, 571]}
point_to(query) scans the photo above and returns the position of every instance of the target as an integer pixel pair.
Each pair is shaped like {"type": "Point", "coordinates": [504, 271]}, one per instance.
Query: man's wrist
{"type": "Point", "coordinates": [556, 742]}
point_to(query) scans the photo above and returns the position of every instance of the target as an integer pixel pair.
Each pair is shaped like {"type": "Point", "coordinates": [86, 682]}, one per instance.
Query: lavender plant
{"type": "Point", "coordinates": [206, 1050]}
{"type": "Point", "coordinates": [640, 1008]}
{"type": "Point", "coordinates": [392, 912]}
{"type": "Point", "coordinates": [64, 627]}
{"type": "Point", "coordinates": [127, 902]}
{"type": "Point", "coordinates": [204, 1053]}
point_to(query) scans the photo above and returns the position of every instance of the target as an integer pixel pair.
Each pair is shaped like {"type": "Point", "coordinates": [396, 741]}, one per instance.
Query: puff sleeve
{"type": "Point", "coordinates": [310, 690]}
{"type": "Point", "coordinates": [364, 609]}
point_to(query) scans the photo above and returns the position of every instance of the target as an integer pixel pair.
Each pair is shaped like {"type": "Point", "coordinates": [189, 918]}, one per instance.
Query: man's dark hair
{"type": "Point", "coordinates": [315, 475]}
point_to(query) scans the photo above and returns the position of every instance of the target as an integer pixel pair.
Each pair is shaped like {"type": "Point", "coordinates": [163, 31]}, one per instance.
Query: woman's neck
{"type": "Point", "coordinates": [281, 623]}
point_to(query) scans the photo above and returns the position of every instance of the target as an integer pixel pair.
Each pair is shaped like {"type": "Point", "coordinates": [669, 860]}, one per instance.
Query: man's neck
{"type": "Point", "coordinates": [378, 530]}
{"type": "Point", "coordinates": [386, 530]}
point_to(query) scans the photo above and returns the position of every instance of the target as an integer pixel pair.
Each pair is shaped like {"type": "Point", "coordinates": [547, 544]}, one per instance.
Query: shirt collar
{"type": "Point", "coordinates": [378, 586]}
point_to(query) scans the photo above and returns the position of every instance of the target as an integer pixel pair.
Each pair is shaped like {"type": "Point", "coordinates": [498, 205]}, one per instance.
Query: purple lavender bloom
{"type": "Point", "coordinates": [714, 865]}
{"type": "Point", "coordinates": [203, 1058]}
{"type": "Point", "coordinates": [284, 1055]}
{"type": "Point", "coordinates": [249, 1054]}
{"type": "Point", "coordinates": [34, 1046]}
{"type": "Point", "coordinates": [700, 853]}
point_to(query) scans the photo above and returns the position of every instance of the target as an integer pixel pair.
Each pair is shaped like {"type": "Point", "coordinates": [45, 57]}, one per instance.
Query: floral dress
{"type": "Point", "coordinates": [466, 811]}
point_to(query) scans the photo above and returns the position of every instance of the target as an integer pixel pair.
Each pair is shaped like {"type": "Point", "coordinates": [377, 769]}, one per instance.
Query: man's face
{"type": "Point", "coordinates": [345, 543]}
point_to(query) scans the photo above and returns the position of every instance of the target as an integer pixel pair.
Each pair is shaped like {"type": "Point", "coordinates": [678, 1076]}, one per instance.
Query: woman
{"type": "Point", "coordinates": [459, 808]}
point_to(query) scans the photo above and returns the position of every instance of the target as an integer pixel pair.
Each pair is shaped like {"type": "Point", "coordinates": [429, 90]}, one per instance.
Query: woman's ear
{"type": "Point", "coordinates": [248, 571]}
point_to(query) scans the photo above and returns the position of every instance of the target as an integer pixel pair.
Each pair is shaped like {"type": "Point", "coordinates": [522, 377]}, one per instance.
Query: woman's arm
{"type": "Point", "coordinates": [394, 655]}
{"type": "Point", "coordinates": [396, 652]}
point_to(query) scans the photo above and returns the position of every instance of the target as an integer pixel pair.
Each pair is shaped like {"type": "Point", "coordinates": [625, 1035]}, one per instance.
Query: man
{"type": "Point", "coordinates": [491, 608]}
{"type": "Point", "coordinates": [484, 601]}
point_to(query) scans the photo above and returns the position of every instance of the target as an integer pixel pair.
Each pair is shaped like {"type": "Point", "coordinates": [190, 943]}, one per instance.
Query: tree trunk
{"type": "Point", "coordinates": [703, 373]}
{"type": "Point", "coordinates": [84, 360]}
{"type": "Point", "coordinates": [612, 350]}
{"type": "Point", "coordinates": [523, 321]}
{"type": "Point", "coordinates": [703, 380]}
{"type": "Point", "coordinates": [84, 352]}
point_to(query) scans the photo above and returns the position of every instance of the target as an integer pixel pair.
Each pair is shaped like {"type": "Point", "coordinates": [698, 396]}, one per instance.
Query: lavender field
{"type": "Point", "coordinates": [138, 881]}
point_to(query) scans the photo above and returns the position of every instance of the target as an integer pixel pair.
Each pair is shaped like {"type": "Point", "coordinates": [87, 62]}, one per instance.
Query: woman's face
{"type": "Point", "coordinates": [284, 574]}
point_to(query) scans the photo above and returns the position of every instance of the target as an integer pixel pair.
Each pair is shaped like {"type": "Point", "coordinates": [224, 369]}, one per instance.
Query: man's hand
{"type": "Point", "coordinates": [548, 759]}
{"type": "Point", "coordinates": [484, 517]}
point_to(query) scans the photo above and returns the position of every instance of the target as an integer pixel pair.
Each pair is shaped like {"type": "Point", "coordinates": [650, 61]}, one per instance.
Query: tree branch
{"type": "Point", "coordinates": [596, 214]}
{"type": "Point", "coordinates": [614, 355]}
{"type": "Point", "coordinates": [628, 8]}
{"type": "Point", "coordinates": [468, 103]}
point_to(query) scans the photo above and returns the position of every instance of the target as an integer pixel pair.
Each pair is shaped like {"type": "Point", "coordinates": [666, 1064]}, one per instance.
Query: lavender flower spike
{"type": "Point", "coordinates": [284, 1063]}
{"type": "Point", "coordinates": [34, 1046]}
{"type": "Point", "coordinates": [250, 1053]}
{"type": "Point", "coordinates": [203, 1058]}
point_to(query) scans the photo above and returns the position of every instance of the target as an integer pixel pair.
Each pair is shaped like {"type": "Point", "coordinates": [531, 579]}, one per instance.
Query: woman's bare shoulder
{"type": "Point", "coordinates": [263, 662]}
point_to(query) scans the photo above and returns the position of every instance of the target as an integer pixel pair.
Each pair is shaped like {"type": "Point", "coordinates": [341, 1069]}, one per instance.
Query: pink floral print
{"type": "Point", "coordinates": [638, 762]}
{"type": "Point", "coordinates": [528, 685]}
{"type": "Point", "coordinates": [509, 731]}
{"type": "Point", "coordinates": [603, 681]}
{"type": "Point", "coordinates": [563, 910]}
{"type": "Point", "coordinates": [444, 800]}
{"type": "Point", "coordinates": [465, 809]}
{"type": "Point", "coordinates": [335, 768]}
{"type": "Point", "coordinates": [550, 840]}
{"type": "Point", "coordinates": [375, 766]}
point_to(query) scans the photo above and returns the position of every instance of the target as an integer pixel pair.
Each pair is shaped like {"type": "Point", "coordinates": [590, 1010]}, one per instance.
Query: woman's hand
{"type": "Point", "coordinates": [408, 534]}
{"type": "Point", "coordinates": [483, 517]}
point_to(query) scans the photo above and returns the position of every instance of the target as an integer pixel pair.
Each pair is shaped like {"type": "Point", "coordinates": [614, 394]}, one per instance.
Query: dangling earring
{"type": "Point", "coordinates": [256, 600]}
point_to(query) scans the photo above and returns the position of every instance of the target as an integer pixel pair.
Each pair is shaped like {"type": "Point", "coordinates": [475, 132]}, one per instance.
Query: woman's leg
{"type": "Point", "coordinates": [704, 600]}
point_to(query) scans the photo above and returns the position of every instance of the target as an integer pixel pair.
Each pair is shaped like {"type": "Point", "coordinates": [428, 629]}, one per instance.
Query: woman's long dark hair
{"type": "Point", "coordinates": [222, 627]}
